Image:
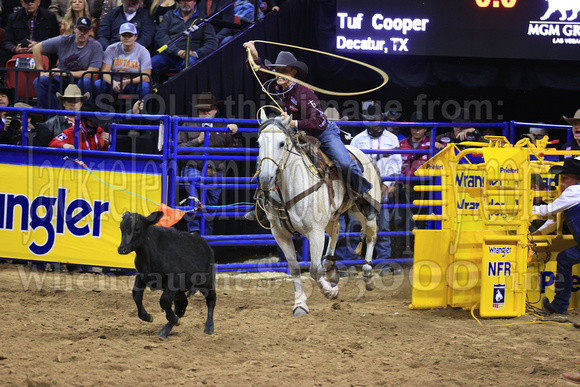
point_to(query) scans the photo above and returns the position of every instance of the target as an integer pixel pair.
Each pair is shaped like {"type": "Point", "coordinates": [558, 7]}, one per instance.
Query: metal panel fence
{"type": "Point", "coordinates": [167, 128]}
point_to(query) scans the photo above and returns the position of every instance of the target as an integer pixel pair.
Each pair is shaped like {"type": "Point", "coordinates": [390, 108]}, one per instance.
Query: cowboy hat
{"type": "Point", "coordinates": [461, 116]}
{"type": "Point", "coordinates": [33, 116]}
{"type": "Point", "coordinates": [332, 114]}
{"type": "Point", "coordinates": [97, 119]}
{"type": "Point", "coordinates": [572, 119]}
{"type": "Point", "coordinates": [207, 101]}
{"type": "Point", "coordinates": [72, 91]}
{"type": "Point", "coordinates": [571, 167]}
{"type": "Point", "coordinates": [9, 92]}
{"type": "Point", "coordinates": [287, 59]}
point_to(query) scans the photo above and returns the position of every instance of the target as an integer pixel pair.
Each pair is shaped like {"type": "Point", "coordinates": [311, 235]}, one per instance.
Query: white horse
{"type": "Point", "coordinates": [288, 181]}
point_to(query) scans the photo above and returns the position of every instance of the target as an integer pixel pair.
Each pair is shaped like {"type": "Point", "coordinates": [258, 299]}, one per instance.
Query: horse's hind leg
{"type": "Point", "coordinates": [329, 263]}
{"type": "Point", "coordinates": [316, 239]}
{"type": "Point", "coordinates": [285, 242]}
{"type": "Point", "coordinates": [370, 229]}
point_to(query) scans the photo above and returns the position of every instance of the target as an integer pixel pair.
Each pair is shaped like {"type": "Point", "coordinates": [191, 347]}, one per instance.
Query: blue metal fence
{"type": "Point", "coordinates": [168, 128]}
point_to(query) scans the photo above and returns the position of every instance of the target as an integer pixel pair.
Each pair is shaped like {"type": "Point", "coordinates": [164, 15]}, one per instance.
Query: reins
{"type": "Point", "coordinates": [283, 206]}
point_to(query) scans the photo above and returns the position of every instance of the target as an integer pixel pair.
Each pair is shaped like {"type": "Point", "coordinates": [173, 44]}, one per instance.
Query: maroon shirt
{"type": "Point", "coordinates": [301, 103]}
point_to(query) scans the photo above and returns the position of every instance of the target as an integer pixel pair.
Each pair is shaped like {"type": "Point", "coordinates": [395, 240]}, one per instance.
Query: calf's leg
{"type": "Point", "coordinates": [166, 303]}
{"type": "Point", "coordinates": [138, 289]}
{"type": "Point", "coordinates": [180, 304]}
{"type": "Point", "coordinates": [210, 300]}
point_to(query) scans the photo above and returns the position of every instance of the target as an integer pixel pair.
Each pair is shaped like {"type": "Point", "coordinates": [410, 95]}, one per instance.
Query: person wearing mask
{"type": "Point", "coordinates": [72, 100]}
{"type": "Point", "coordinates": [91, 135]}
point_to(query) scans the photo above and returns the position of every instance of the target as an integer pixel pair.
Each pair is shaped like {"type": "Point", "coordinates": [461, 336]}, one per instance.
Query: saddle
{"type": "Point", "coordinates": [322, 166]}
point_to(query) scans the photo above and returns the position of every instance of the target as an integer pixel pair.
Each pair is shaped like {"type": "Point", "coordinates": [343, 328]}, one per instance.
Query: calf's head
{"type": "Point", "coordinates": [134, 230]}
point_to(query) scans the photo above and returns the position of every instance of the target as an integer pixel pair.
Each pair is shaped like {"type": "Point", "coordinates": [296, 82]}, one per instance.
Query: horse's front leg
{"type": "Point", "coordinates": [329, 263]}
{"type": "Point", "coordinates": [316, 239]}
{"type": "Point", "coordinates": [284, 240]}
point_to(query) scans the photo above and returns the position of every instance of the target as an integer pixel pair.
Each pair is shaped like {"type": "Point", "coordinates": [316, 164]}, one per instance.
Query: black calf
{"type": "Point", "coordinates": [169, 260]}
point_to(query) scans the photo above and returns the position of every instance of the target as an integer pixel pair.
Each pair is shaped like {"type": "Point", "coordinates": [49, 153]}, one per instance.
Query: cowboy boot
{"type": "Point", "coordinates": [257, 213]}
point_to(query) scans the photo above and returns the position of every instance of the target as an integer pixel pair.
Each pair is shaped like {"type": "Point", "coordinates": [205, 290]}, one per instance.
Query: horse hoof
{"type": "Point", "coordinates": [370, 285]}
{"type": "Point", "coordinates": [147, 318]}
{"type": "Point", "coordinates": [333, 293]}
{"type": "Point", "coordinates": [333, 278]}
{"type": "Point", "coordinates": [300, 311]}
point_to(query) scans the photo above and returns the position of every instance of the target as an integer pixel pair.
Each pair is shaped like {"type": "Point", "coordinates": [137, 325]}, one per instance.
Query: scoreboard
{"type": "Point", "coordinates": [523, 29]}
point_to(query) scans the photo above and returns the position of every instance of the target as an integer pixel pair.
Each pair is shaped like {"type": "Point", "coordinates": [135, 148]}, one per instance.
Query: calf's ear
{"type": "Point", "coordinates": [154, 217]}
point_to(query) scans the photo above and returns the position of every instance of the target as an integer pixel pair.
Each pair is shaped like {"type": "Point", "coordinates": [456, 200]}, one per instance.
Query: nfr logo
{"type": "Point", "coordinates": [548, 278]}
{"type": "Point", "coordinates": [495, 269]}
{"type": "Point", "coordinates": [494, 250]}
{"type": "Point", "coordinates": [54, 209]}
{"type": "Point", "coordinates": [498, 296]}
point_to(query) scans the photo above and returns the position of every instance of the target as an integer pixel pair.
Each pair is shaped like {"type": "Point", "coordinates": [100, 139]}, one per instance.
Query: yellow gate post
{"type": "Point", "coordinates": [481, 254]}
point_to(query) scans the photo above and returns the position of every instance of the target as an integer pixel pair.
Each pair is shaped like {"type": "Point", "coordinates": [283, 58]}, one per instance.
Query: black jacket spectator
{"type": "Point", "coordinates": [108, 32]}
{"type": "Point", "coordinates": [11, 6]}
{"type": "Point", "coordinates": [202, 41]}
{"type": "Point", "coordinates": [17, 32]}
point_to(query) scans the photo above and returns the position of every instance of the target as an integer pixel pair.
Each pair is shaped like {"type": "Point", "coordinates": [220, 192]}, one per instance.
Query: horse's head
{"type": "Point", "coordinates": [274, 146]}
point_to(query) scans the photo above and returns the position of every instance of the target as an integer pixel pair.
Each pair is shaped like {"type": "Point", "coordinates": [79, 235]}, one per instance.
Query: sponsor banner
{"type": "Point", "coordinates": [67, 215]}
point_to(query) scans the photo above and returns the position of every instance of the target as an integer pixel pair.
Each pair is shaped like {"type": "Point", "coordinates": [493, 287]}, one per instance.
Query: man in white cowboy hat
{"type": "Point", "coordinates": [569, 204]}
{"type": "Point", "coordinates": [72, 100]}
{"type": "Point", "coordinates": [207, 107]}
{"type": "Point", "coordinates": [575, 122]}
{"type": "Point", "coordinates": [303, 105]}
{"type": "Point", "coordinates": [91, 135]}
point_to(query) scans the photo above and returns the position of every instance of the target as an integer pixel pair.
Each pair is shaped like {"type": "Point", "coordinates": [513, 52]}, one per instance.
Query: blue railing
{"type": "Point", "coordinates": [170, 156]}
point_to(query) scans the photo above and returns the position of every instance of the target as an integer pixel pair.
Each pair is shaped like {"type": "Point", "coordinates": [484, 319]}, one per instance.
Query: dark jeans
{"type": "Point", "coordinates": [331, 144]}
{"type": "Point", "coordinates": [566, 259]}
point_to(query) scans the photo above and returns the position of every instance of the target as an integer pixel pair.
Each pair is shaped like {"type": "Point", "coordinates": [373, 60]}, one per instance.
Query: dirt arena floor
{"type": "Point", "coordinates": [82, 330]}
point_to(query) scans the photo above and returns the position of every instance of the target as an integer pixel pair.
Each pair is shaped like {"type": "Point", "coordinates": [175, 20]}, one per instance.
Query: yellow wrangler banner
{"type": "Point", "coordinates": [67, 215]}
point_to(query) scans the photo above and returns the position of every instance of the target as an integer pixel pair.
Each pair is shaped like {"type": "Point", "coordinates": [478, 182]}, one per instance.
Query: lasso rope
{"type": "Point", "coordinates": [82, 164]}
{"type": "Point", "coordinates": [539, 321]}
{"type": "Point", "coordinates": [255, 67]}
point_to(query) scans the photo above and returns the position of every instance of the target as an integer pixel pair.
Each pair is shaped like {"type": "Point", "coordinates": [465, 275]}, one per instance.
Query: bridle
{"type": "Point", "coordinates": [282, 207]}
{"type": "Point", "coordinates": [288, 149]}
